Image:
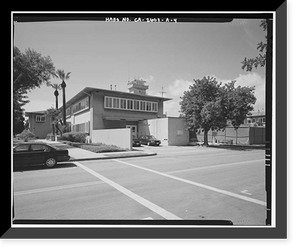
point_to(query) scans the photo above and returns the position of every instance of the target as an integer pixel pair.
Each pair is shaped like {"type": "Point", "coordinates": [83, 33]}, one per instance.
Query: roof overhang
{"type": "Point", "coordinates": [89, 90]}
{"type": "Point", "coordinates": [42, 112]}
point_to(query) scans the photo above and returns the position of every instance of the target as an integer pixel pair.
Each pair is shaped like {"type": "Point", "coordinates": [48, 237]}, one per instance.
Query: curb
{"type": "Point", "coordinates": [113, 156]}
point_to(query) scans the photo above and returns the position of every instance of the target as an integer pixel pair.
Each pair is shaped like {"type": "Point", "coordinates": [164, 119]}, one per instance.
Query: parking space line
{"type": "Point", "coordinates": [238, 196]}
{"type": "Point", "coordinates": [54, 188]}
{"type": "Point", "coordinates": [153, 207]}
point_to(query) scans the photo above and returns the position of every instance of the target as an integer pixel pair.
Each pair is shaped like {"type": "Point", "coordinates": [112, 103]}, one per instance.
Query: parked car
{"type": "Point", "coordinates": [149, 140]}
{"type": "Point", "coordinates": [33, 153]}
{"type": "Point", "coordinates": [136, 142]}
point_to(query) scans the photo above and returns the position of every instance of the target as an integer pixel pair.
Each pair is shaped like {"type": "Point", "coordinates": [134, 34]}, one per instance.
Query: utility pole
{"type": "Point", "coordinates": [162, 92]}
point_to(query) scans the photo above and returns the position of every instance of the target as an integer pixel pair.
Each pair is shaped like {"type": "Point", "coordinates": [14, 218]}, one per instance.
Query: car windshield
{"type": "Point", "coordinates": [151, 137]}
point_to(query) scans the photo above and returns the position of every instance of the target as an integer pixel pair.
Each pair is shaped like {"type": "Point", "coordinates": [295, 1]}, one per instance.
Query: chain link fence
{"type": "Point", "coordinates": [243, 135]}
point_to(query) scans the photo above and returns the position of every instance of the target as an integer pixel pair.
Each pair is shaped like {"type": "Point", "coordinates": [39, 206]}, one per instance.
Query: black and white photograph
{"type": "Point", "coordinates": [143, 119]}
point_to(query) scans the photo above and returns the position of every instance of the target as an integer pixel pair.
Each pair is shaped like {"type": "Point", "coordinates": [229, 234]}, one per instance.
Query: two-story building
{"type": "Point", "coordinates": [95, 108]}
{"type": "Point", "coordinates": [39, 123]}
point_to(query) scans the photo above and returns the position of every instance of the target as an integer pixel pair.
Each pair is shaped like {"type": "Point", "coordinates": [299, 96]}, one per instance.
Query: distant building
{"type": "Point", "coordinates": [39, 123]}
{"type": "Point", "coordinates": [257, 119]}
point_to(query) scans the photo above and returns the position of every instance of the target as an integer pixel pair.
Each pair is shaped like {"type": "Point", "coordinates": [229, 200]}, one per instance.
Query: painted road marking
{"type": "Point", "coordinates": [246, 192]}
{"type": "Point", "coordinates": [48, 189]}
{"type": "Point", "coordinates": [155, 208]}
{"type": "Point", "coordinates": [214, 166]}
{"type": "Point", "coordinates": [238, 196]}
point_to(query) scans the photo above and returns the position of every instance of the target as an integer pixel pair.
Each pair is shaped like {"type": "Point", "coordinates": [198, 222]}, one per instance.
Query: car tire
{"type": "Point", "coordinates": [148, 143]}
{"type": "Point", "coordinates": [50, 162]}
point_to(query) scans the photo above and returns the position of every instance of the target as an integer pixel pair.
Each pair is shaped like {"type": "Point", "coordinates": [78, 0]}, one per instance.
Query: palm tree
{"type": "Point", "coordinates": [61, 74]}
{"type": "Point", "coordinates": [56, 87]}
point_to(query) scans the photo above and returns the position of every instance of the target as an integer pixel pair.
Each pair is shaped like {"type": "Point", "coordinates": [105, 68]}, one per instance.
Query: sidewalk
{"type": "Point", "coordinates": [78, 154]}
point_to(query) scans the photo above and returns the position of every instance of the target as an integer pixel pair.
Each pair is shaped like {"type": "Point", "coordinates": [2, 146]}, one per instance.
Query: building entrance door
{"type": "Point", "coordinates": [133, 130]}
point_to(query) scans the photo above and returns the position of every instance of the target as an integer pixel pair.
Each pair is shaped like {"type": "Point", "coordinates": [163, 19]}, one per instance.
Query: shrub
{"type": "Point", "coordinates": [100, 147]}
{"type": "Point", "coordinates": [49, 136]}
{"type": "Point", "coordinates": [74, 137]}
{"type": "Point", "coordinates": [26, 135]}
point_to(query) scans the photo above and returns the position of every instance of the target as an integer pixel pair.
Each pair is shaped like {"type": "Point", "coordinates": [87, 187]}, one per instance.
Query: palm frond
{"type": "Point", "coordinates": [61, 74]}
{"type": "Point", "coordinates": [56, 86]}
{"type": "Point", "coordinates": [68, 75]}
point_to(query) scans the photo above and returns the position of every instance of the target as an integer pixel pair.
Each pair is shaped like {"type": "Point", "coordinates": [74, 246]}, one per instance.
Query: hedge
{"type": "Point", "coordinates": [74, 137]}
{"type": "Point", "coordinates": [26, 135]}
{"type": "Point", "coordinates": [100, 147]}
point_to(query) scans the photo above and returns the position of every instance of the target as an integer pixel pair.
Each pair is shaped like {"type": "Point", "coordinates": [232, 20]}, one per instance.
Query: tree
{"type": "Point", "coordinates": [209, 105]}
{"type": "Point", "coordinates": [18, 118]}
{"type": "Point", "coordinates": [239, 101]}
{"type": "Point", "coordinates": [61, 74]}
{"type": "Point", "coordinates": [54, 113]}
{"type": "Point", "coordinates": [30, 70]}
{"type": "Point", "coordinates": [202, 108]}
{"type": "Point", "coordinates": [260, 60]}
{"type": "Point", "coordinates": [56, 87]}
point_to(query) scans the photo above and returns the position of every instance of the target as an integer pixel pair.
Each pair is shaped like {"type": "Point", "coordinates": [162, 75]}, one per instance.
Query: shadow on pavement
{"type": "Point", "coordinates": [238, 147]}
{"type": "Point", "coordinates": [41, 167]}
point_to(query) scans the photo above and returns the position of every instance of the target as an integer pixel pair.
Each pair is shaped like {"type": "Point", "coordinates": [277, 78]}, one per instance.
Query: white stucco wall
{"type": "Point", "coordinates": [119, 137]}
{"type": "Point", "coordinates": [169, 130]}
{"type": "Point", "coordinates": [81, 117]}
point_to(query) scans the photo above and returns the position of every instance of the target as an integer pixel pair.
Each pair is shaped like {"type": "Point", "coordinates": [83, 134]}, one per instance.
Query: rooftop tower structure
{"type": "Point", "coordinates": [138, 87]}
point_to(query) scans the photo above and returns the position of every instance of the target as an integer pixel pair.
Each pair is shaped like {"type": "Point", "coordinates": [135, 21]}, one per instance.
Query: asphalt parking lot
{"type": "Point", "coordinates": [179, 183]}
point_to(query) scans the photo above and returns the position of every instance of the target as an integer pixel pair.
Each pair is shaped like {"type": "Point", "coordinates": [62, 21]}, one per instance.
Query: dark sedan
{"type": "Point", "coordinates": [136, 142]}
{"type": "Point", "coordinates": [149, 140]}
{"type": "Point", "coordinates": [38, 154]}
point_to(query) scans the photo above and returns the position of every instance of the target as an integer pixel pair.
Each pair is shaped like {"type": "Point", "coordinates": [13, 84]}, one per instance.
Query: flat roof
{"type": "Point", "coordinates": [35, 112]}
{"type": "Point", "coordinates": [88, 90]}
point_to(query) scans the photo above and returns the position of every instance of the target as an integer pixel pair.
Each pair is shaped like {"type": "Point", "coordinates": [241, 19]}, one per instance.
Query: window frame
{"type": "Point", "coordinates": [130, 104]}
{"type": "Point", "coordinates": [42, 118]}
{"type": "Point", "coordinates": [44, 149]}
{"type": "Point", "coordinates": [81, 105]}
{"type": "Point", "coordinates": [22, 150]}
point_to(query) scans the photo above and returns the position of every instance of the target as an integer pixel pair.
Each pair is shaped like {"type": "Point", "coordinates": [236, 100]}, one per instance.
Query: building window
{"type": "Point", "coordinates": [136, 105]}
{"type": "Point", "coordinates": [143, 105]}
{"type": "Point", "coordinates": [81, 105]}
{"type": "Point", "coordinates": [68, 111]}
{"type": "Point", "coordinates": [81, 127]}
{"type": "Point", "coordinates": [108, 102]}
{"type": "Point", "coordinates": [40, 118]}
{"type": "Point", "coordinates": [154, 106]}
{"type": "Point", "coordinates": [123, 103]}
{"type": "Point", "coordinates": [130, 104]}
{"type": "Point", "coordinates": [148, 106]}
{"type": "Point", "coordinates": [116, 102]}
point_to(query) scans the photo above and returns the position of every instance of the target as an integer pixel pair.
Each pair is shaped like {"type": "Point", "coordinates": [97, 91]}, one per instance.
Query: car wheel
{"type": "Point", "coordinates": [148, 143]}
{"type": "Point", "coordinates": [50, 162]}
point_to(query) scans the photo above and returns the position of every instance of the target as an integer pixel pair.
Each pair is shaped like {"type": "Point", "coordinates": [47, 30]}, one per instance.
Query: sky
{"type": "Point", "coordinates": [166, 55]}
